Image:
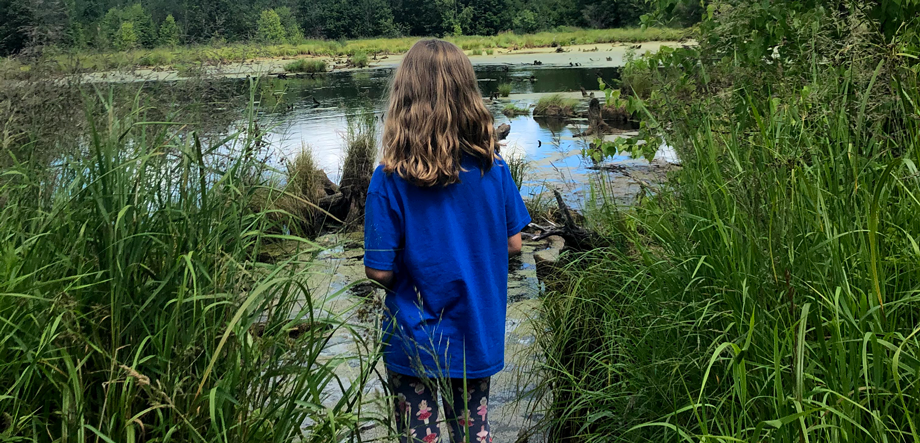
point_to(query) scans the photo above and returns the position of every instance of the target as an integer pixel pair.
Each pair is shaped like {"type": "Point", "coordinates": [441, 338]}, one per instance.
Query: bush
{"type": "Point", "coordinates": [504, 89]}
{"type": "Point", "coordinates": [306, 65]}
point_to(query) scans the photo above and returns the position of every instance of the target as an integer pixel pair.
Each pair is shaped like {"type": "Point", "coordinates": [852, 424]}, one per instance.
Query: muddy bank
{"type": "Point", "coordinates": [600, 55]}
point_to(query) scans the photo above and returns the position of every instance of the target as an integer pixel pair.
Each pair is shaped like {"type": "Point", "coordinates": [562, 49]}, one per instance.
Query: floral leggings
{"type": "Point", "coordinates": [417, 409]}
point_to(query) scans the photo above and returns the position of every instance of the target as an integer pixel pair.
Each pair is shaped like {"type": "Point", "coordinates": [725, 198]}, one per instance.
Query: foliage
{"type": "Point", "coordinates": [525, 22]}
{"type": "Point", "coordinates": [511, 110]}
{"type": "Point", "coordinates": [504, 89]}
{"type": "Point", "coordinates": [169, 32]}
{"type": "Point", "coordinates": [134, 305]}
{"type": "Point", "coordinates": [359, 60]}
{"type": "Point", "coordinates": [555, 104]}
{"type": "Point", "coordinates": [125, 38]}
{"type": "Point", "coordinates": [518, 166]}
{"type": "Point", "coordinates": [269, 29]}
{"type": "Point", "coordinates": [139, 20]}
{"type": "Point", "coordinates": [306, 65]}
{"type": "Point", "coordinates": [768, 291]}
{"type": "Point", "coordinates": [292, 30]}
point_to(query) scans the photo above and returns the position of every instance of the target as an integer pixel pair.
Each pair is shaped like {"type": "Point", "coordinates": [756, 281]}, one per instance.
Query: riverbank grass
{"type": "Point", "coordinates": [92, 61]}
{"type": "Point", "coordinates": [306, 66]}
{"type": "Point", "coordinates": [512, 110]}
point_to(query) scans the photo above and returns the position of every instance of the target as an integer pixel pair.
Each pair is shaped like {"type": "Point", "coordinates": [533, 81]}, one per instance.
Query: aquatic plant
{"type": "Point", "coordinates": [518, 165]}
{"type": "Point", "coordinates": [135, 304]}
{"type": "Point", "coordinates": [504, 89]}
{"type": "Point", "coordinates": [306, 65]}
{"type": "Point", "coordinates": [360, 156]}
{"type": "Point", "coordinates": [511, 110]}
{"type": "Point", "coordinates": [555, 105]}
{"type": "Point", "coordinates": [359, 60]}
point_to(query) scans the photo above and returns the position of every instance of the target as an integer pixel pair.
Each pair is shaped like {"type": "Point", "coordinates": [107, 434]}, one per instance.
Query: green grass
{"type": "Point", "coordinates": [92, 60]}
{"type": "Point", "coordinates": [770, 291]}
{"type": "Point", "coordinates": [518, 165]}
{"type": "Point", "coordinates": [359, 60]}
{"type": "Point", "coordinates": [306, 65]}
{"type": "Point", "coordinates": [476, 52]}
{"type": "Point", "coordinates": [512, 110]}
{"type": "Point", "coordinates": [504, 89]}
{"type": "Point", "coordinates": [555, 104]}
{"type": "Point", "coordinates": [134, 304]}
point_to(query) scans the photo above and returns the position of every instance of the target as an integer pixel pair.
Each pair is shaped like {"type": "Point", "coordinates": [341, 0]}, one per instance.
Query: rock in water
{"type": "Point", "coordinates": [502, 131]}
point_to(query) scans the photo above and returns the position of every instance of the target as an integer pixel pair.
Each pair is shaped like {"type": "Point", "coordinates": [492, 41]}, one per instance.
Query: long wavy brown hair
{"type": "Point", "coordinates": [435, 115]}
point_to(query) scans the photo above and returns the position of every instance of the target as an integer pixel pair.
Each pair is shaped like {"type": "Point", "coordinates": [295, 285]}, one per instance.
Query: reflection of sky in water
{"type": "Point", "coordinates": [295, 119]}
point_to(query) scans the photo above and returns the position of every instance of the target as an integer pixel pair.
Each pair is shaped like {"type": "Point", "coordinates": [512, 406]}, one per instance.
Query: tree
{"type": "Point", "coordinates": [141, 24]}
{"type": "Point", "coordinates": [269, 28]}
{"type": "Point", "coordinates": [13, 28]}
{"type": "Point", "coordinates": [525, 22]}
{"type": "Point", "coordinates": [169, 32]}
{"type": "Point", "coordinates": [292, 30]}
{"type": "Point", "coordinates": [126, 37]}
{"type": "Point", "coordinates": [490, 16]}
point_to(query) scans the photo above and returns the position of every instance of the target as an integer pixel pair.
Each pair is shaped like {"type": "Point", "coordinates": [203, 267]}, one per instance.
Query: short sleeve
{"type": "Point", "coordinates": [382, 232]}
{"type": "Point", "coordinates": [516, 216]}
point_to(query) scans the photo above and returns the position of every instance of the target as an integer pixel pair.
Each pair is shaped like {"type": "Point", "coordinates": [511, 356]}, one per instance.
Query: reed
{"type": "Point", "coordinates": [771, 290]}
{"type": "Point", "coordinates": [134, 306]}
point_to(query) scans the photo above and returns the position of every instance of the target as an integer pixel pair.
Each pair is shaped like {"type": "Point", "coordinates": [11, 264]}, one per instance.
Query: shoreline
{"type": "Point", "coordinates": [584, 56]}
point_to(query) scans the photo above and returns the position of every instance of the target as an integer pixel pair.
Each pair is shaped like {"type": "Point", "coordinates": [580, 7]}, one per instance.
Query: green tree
{"type": "Point", "coordinates": [126, 37]}
{"type": "Point", "coordinates": [140, 20]}
{"type": "Point", "coordinates": [489, 16]}
{"type": "Point", "coordinates": [292, 29]}
{"type": "Point", "coordinates": [169, 32]}
{"type": "Point", "coordinates": [270, 29]}
{"type": "Point", "coordinates": [526, 22]}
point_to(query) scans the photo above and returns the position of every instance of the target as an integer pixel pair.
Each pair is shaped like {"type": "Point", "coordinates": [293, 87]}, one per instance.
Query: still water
{"type": "Point", "coordinates": [313, 112]}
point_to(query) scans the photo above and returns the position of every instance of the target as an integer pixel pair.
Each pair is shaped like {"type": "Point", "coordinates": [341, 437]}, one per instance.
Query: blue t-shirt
{"type": "Point", "coordinates": [448, 248]}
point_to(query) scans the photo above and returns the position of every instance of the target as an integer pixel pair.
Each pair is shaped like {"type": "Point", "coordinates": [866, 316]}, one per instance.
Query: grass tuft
{"type": "Point", "coordinates": [306, 65]}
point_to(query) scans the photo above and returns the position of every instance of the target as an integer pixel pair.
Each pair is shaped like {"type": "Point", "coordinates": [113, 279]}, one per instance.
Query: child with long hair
{"type": "Point", "coordinates": [443, 215]}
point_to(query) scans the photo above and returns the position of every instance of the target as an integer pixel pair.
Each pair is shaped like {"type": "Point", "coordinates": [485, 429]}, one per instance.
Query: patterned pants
{"type": "Point", "coordinates": [465, 410]}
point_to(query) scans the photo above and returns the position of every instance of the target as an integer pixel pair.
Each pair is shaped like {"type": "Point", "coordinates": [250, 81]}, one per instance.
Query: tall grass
{"type": "Point", "coordinates": [133, 306]}
{"type": "Point", "coordinates": [504, 89]}
{"type": "Point", "coordinates": [772, 291]}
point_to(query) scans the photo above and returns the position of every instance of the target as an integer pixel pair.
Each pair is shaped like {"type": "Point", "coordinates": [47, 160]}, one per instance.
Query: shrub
{"type": "Point", "coordinates": [306, 65]}
{"type": "Point", "coordinates": [525, 22]}
{"type": "Point", "coordinates": [476, 52]}
{"type": "Point", "coordinates": [504, 89]}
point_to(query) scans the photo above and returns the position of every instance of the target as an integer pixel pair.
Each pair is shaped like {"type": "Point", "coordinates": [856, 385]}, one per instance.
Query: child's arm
{"type": "Point", "coordinates": [385, 278]}
{"type": "Point", "coordinates": [514, 244]}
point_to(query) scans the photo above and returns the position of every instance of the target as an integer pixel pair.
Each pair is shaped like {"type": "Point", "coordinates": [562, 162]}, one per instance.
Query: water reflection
{"type": "Point", "coordinates": [311, 112]}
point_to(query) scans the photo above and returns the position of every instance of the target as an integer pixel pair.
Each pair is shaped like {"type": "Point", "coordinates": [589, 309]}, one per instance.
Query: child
{"type": "Point", "coordinates": [442, 217]}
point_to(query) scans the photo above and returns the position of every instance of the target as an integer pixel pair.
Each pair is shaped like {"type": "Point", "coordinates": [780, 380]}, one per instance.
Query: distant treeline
{"type": "Point", "coordinates": [33, 25]}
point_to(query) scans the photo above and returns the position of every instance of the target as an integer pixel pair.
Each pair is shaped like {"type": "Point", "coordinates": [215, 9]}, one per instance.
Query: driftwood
{"type": "Point", "coordinates": [596, 123]}
{"type": "Point", "coordinates": [576, 237]}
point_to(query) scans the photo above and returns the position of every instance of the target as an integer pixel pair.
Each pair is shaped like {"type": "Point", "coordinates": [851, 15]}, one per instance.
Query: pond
{"type": "Point", "coordinates": [312, 112]}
